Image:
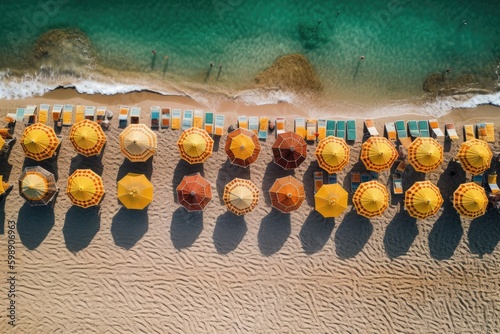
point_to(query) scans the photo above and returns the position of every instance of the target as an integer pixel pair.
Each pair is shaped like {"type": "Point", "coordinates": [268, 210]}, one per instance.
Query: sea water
{"type": "Point", "coordinates": [215, 49]}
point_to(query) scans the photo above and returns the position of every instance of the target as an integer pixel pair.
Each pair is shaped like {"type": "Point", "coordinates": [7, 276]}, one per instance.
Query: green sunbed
{"type": "Point", "coordinates": [330, 127]}
{"type": "Point", "coordinates": [351, 130]}
{"type": "Point", "coordinates": [413, 128]}
{"type": "Point", "coordinates": [423, 127]}
{"type": "Point", "coordinates": [341, 129]}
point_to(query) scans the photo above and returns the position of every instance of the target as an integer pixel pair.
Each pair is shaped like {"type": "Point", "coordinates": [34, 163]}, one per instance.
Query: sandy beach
{"type": "Point", "coordinates": [164, 270]}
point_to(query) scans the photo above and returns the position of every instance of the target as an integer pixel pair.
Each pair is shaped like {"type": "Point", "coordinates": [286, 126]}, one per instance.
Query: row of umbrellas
{"type": "Point", "coordinates": [139, 143]}
{"type": "Point", "coordinates": [85, 189]}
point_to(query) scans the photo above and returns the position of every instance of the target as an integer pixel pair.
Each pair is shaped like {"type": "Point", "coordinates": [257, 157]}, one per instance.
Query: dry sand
{"type": "Point", "coordinates": [164, 270]}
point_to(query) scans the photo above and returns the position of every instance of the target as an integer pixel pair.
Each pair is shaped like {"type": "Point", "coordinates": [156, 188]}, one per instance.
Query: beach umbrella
{"type": "Point", "coordinates": [425, 154]}
{"type": "Point", "coordinates": [371, 199]}
{"type": "Point", "coordinates": [135, 191]}
{"type": "Point", "coordinates": [2, 143]}
{"type": "Point", "coordinates": [85, 188]}
{"type": "Point", "coordinates": [475, 156]}
{"type": "Point", "coordinates": [287, 194]}
{"type": "Point", "coordinates": [87, 137]}
{"type": "Point", "coordinates": [39, 142]}
{"type": "Point", "coordinates": [138, 143]}
{"type": "Point", "coordinates": [378, 153]}
{"type": "Point", "coordinates": [195, 145]}
{"type": "Point", "coordinates": [332, 154]}
{"type": "Point", "coordinates": [3, 186]}
{"type": "Point", "coordinates": [289, 150]}
{"type": "Point", "coordinates": [423, 199]}
{"type": "Point", "coordinates": [37, 185]}
{"type": "Point", "coordinates": [470, 200]}
{"type": "Point", "coordinates": [330, 200]}
{"type": "Point", "coordinates": [194, 192]}
{"type": "Point", "coordinates": [242, 147]}
{"type": "Point", "coordinates": [241, 196]}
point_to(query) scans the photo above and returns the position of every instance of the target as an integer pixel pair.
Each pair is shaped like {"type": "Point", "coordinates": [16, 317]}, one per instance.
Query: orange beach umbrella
{"type": "Point", "coordinates": [425, 154]}
{"type": "Point", "coordinates": [195, 145]}
{"type": "Point", "coordinates": [85, 188]}
{"type": "Point", "coordinates": [39, 142]}
{"type": "Point", "coordinates": [287, 194]}
{"type": "Point", "coordinates": [135, 191]}
{"type": "Point", "coordinates": [194, 192]}
{"type": "Point", "coordinates": [87, 137]}
{"type": "Point", "coordinates": [378, 153]}
{"type": "Point", "coordinates": [371, 199]}
{"type": "Point", "coordinates": [241, 196]}
{"type": "Point", "coordinates": [289, 150]}
{"type": "Point", "coordinates": [37, 185]}
{"type": "Point", "coordinates": [475, 156]}
{"type": "Point", "coordinates": [332, 154]}
{"type": "Point", "coordinates": [138, 143]}
{"type": "Point", "coordinates": [470, 200]}
{"type": "Point", "coordinates": [242, 147]}
{"type": "Point", "coordinates": [423, 199]}
{"type": "Point", "coordinates": [330, 200]}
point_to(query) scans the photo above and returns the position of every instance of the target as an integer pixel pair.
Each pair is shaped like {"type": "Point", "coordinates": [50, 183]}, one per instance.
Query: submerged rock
{"type": "Point", "coordinates": [443, 84]}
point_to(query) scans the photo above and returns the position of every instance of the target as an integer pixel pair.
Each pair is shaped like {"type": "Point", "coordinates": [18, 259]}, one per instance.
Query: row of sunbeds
{"type": "Point", "coordinates": [62, 115]}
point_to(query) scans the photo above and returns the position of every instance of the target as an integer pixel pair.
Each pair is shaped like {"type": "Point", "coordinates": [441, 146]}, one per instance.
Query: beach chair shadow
{"type": "Point", "coordinates": [228, 172]}
{"type": "Point", "coordinates": [216, 143]}
{"type": "Point", "coordinates": [129, 226]}
{"type": "Point", "coordinates": [315, 232]}
{"type": "Point", "coordinates": [229, 231]}
{"type": "Point", "coordinates": [446, 233]}
{"type": "Point", "coordinates": [182, 169]}
{"type": "Point", "coordinates": [352, 235]}
{"type": "Point", "coordinates": [484, 233]}
{"type": "Point", "coordinates": [185, 227]}
{"type": "Point", "coordinates": [128, 166]}
{"type": "Point", "coordinates": [80, 227]}
{"type": "Point", "coordinates": [34, 224]}
{"type": "Point", "coordinates": [308, 181]}
{"type": "Point", "coordinates": [400, 234]}
{"type": "Point", "coordinates": [272, 173]}
{"type": "Point", "coordinates": [93, 163]}
{"type": "Point", "coordinates": [2, 209]}
{"type": "Point", "coordinates": [275, 228]}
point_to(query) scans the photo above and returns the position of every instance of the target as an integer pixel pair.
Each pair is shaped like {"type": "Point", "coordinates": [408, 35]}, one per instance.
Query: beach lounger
{"type": "Point", "coordinates": [351, 130]}
{"type": "Point", "coordinates": [79, 113]}
{"type": "Point", "coordinates": [253, 124]}
{"type": "Point", "coordinates": [135, 115]}
{"type": "Point", "coordinates": [321, 129]}
{"type": "Point", "coordinates": [450, 131]}
{"type": "Point", "coordinates": [100, 114]}
{"type": "Point", "coordinates": [365, 177]}
{"type": "Point", "coordinates": [402, 133]}
{"type": "Point", "coordinates": [478, 179]}
{"type": "Point", "coordinates": [469, 132]}
{"type": "Point", "coordinates": [280, 125]}
{"type": "Point", "coordinates": [312, 129]}
{"type": "Point", "coordinates": [165, 118]}
{"type": "Point", "coordinates": [155, 117]}
{"type": "Point", "coordinates": [340, 131]}
{"type": "Point", "coordinates": [300, 127]}
{"type": "Point", "coordinates": [318, 181]}
{"type": "Point", "coordinates": [263, 128]}
{"type": "Point", "coordinates": [355, 181]}
{"type": "Point", "coordinates": [490, 132]}
{"type": "Point", "coordinates": [401, 167]}
{"type": "Point", "coordinates": [397, 184]}
{"type": "Point", "coordinates": [30, 114]}
{"type": "Point", "coordinates": [434, 125]}
{"type": "Point", "coordinates": [492, 183]}
{"type": "Point", "coordinates": [198, 119]}
{"type": "Point", "coordinates": [43, 113]}
{"type": "Point", "coordinates": [390, 131]}
{"type": "Point", "coordinates": [219, 125]}
{"type": "Point", "coordinates": [332, 178]}
{"type": "Point", "coordinates": [243, 122]}
{"type": "Point", "coordinates": [56, 112]}
{"type": "Point", "coordinates": [413, 129]}
{"type": "Point", "coordinates": [187, 120]}
{"type": "Point", "coordinates": [67, 115]}
{"type": "Point", "coordinates": [330, 127]}
{"type": "Point", "coordinates": [209, 122]}
{"type": "Point", "coordinates": [423, 128]}
{"type": "Point", "coordinates": [370, 128]}
{"type": "Point", "coordinates": [481, 131]}
{"type": "Point", "coordinates": [20, 114]}
{"type": "Point", "coordinates": [90, 113]}
{"type": "Point", "coordinates": [123, 116]}
{"type": "Point", "coordinates": [176, 119]}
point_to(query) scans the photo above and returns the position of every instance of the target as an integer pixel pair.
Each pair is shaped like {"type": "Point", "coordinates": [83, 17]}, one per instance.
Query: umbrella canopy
{"type": "Point", "coordinates": [2, 142]}
{"type": "Point", "coordinates": [3, 185]}
{"type": "Point", "coordinates": [330, 200]}
{"type": "Point", "coordinates": [332, 154]}
{"type": "Point", "coordinates": [242, 147]}
{"type": "Point", "coordinates": [425, 154]}
{"type": "Point", "coordinates": [475, 156]}
{"type": "Point", "coordinates": [371, 199]}
{"type": "Point", "coordinates": [195, 145]}
{"type": "Point", "coordinates": [138, 143]}
{"type": "Point", "coordinates": [85, 188]}
{"type": "Point", "coordinates": [289, 150]}
{"type": "Point", "coordinates": [287, 194]}
{"type": "Point", "coordinates": [470, 200]}
{"type": "Point", "coordinates": [241, 196]}
{"type": "Point", "coordinates": [378, 153]}
{"type": "Point", "coordinates": [194, 192]}
{"type": "Point", "coordinates": [423, 199]}
{"type": "Point", "coordinates": [37, 185]}
{"type": "Point", "coordinates": [135, 191]}
{"type": "Point", "coordinates": [39, 142]}
{"type": "Point", "coordinates": [87, 137]}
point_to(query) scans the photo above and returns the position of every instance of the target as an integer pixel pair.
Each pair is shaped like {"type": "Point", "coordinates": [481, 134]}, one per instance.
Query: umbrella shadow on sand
{"type": "Point", "coordinates": [182, 169]}
{"type": "Point", "coordinates": [400, 234]}
{"type": "Point", "coordinates": [128, 166]}
{"type": "Point", "coordinates": [129, 226]}
{"type": "Point", "coordinates": [80, 227]}
{"type": "Point", "coordinates": [484, 233]}
{"type": "Point", "coordinates": [315, 232]}
{"type": "Point", "coordinates": [352, 235]}
{"type": "Point", "coordinates": [308, 181]}
{"type": "Point", "coordinates": [226, 174]}
{"type": "Point", "coordinates": [229, 231]}
{"type": "Point", "coordinates": [185, 228]}
{"type": "Point", "coordinates": [445, 234]}
{"type": "Point", "coordinates": [93, 163]}
{"type": "Point", "coordinates": [275, 228]}
{"type": "Point", "coordinates": [48, 164]}
{"type": "Point", "coordinates": [34, 224]}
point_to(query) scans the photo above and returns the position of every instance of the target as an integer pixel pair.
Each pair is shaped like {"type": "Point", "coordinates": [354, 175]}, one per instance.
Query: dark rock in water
{"type": "Point", "coordinates": [291, 72]}
{"type": "Point", "coordinates": [64, 50]}
{"type": "Point", "coordinates": [442, 84]}
{"type": "Point", "coordinates": [433, 83]}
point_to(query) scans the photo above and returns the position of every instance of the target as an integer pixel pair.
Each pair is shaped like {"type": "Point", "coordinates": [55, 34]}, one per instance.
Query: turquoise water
{"type": "Point", "coordinates": [402, 41]}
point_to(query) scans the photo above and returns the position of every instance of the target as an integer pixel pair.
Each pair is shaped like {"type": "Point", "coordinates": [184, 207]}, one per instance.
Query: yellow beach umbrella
{"type": "Point", "coordinates": [241, 196]}
{"type": "Point", "coordinates": [378, 153]}
{"type": "Point", "coordinates": [138, 143]}
{"type": "Point", "coordinates": [423, 200]}
{"type": "Point", "coordinates": [475, 156]}
{"type": "Point", "coordinates": [135, 191]}
{"type": "Point", "coordinates": [195, 145]}
{"type": "Point", "coordinates": [470, 200]}
{"type": "Point", "coordinates": [39, 142]}
{"type": "Point", "coordinates": [287, 194]}
{"type": "Point", "coordinates": [371, 199]}
{"type": "Point", "coordinates": [330, 200]}
{"type": "Point", "coordinates": [2, 143]}
{"type": "Point", "coordinates": [332, 154]}
{"type": "Point", "coordinates": [425, 154]}
{"type": "Point", "coordinates": [85, 188]}
{"type": "Point", "coordinates": [3, 185]}
{"type": "Point", "coordinates": [242, 147]}
{"type": "Point", "coordinates": [87, 137]}
{"type": "Point", "coordinates": [37, 185]}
